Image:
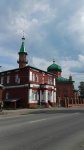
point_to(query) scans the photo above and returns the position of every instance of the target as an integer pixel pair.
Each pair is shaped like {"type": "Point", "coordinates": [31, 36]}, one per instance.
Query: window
{"type": "Point", "coordinates": [42, 95]}
{"type": "Point", "coordinates": [42, 79]}
{"type": "Point", "coordinates": [8, 79]}
{"type": "Point", "coordinates": [7, 94]}
{"type": "Point", "coordinates": [49, 81]}
{"type": "Point", "coordinates": [34, 95]}
{"type": "Point", "coordinates": [22, 58]}
{"type": "Point", "coordinates": [2, 78]}
{"type": "Point", "coordinates": [36, 78]}
{"type": "Point", "coordinates": [16, 78]}
{"type": "Point", "coordinates": [33, 77]}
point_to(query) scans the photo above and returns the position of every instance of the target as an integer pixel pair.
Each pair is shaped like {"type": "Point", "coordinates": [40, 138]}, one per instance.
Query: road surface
{"type": "Point", "coordinates": [46, 130]}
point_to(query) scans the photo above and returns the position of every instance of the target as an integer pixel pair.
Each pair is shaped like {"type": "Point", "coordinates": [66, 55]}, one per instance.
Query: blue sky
{"type": "Point", "coordinates": [53, 29]}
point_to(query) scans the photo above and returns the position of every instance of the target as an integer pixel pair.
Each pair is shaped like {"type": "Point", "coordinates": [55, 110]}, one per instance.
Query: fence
{"type": "Point", "coordinates": [66, 102]}
{"type": "Point", "coordinates": [73, 102]}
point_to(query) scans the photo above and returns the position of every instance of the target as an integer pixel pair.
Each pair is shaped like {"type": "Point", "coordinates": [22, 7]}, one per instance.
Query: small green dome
{"type": "Point", "coordinates": [54, 67]}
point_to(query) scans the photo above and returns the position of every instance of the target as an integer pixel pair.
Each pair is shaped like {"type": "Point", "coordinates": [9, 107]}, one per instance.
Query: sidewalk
{"type": "Point", "coordinates": [11, 112]}
{"type": "Point", "coordinates": [25, 111]}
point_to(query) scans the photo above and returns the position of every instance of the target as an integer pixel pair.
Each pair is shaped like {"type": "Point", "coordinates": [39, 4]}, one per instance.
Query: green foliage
{"type": "Point", "coordinates": [81, 88]}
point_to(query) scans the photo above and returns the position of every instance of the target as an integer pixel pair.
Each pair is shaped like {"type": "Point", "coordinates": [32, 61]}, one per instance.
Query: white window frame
{"type": "Point", "coordinates": [49, 80]}
{"type": "Point", "coordinates": [7, 94]}
{"type": "Point", "coordinates": [16, 78]}
{"type": "Point", "coordinates": [34, 96]}
{"type": "Point", "coordinates": [42, 96]}
{"type": "Point", "coordinates": [42, 79]}
{"type": "Point", "coordinates": [36, 78]}
{"type": "Point", "coordinates": [2, 79]}
{"type": "Point", "coordinates": [8, 79]}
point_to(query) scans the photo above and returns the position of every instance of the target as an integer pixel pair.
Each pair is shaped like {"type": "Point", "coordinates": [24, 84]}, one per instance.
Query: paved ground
{"type": "Point", "coordinates": [14, 112]}
{"type": "Point", "coordinates": [44, 129]}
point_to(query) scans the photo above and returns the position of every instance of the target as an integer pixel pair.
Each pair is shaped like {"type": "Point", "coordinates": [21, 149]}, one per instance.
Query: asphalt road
{"type": "Point", "coordinates": [46, 130]}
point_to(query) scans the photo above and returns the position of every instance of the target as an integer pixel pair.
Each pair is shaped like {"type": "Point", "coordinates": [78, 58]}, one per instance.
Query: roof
{"type": "Point", "coordinates": [11, 100]}
{"type": "Point", "coordinates": [62, 79]}
{"type": "Point", "coordinates": [54, 67]}
{"type": "Point", "coordinates": [22, 49]}
{"type": "Point", "coordinates": [27, 67]}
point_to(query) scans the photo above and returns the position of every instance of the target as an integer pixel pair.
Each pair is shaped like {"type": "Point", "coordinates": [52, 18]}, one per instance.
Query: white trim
{"type": "Point", "coordinates": [17, 70]}
{"type": "Point", "coordinates": [34, 85]}
{"type": "Point", "coordinates": [34, 70]}
{"type": "Point", "coordinates": [46, 96]}
{"type": "Point", "coordinates": [30, 75]}
{"type": "Point", "coordinates": [49, 75]}
{"type": "Point", "coordinates": [30, 96]}
{"type": "Point", "coordinates": [16, 86]}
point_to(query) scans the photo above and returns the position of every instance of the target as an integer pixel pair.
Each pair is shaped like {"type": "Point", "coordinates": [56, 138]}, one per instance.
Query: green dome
{"type": "Point", "coordinates": [54, 67]}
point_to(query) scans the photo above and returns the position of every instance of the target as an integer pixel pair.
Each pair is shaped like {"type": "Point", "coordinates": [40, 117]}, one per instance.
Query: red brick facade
{"type": "Point", "coordinates": [21, 82]}
{"type": "Point", "coordinates": [64, 87]}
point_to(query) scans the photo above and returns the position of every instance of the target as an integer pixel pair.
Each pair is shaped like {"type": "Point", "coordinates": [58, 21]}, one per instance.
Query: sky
{"type": "Point", "coordinates": [53, 29]}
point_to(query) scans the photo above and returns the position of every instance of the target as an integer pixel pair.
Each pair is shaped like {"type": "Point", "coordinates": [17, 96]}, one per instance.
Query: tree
{"type": "Point", "coordinates": [81, 89]}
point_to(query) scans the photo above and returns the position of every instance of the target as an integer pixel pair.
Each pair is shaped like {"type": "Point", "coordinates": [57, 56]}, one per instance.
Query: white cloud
{"type": "Point", "coordinates": [81, 59]}
{"type": "Point", "coordinates": [51, 27]}
{"type": "Point", "coordinates": [6, 53]}
{"type": "Point", "coordinates": [40, 63]}
{"type": "Point", "coordinates": [76, 25]}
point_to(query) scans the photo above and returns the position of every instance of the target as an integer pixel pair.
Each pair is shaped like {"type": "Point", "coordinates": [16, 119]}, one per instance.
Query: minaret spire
{"type": "Point", "coordinates": [53, 60]}
{"type": "Point", "coordinates": [23, 38]}
{"type": "Point", "coordinates": [22, 54]}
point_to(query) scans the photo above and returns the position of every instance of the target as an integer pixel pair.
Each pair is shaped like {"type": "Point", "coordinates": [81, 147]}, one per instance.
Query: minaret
{"type": "Point", "coordinates": [22, 54]}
